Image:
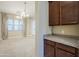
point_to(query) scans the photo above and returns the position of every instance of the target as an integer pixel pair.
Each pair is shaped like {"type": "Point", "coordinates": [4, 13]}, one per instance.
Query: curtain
{"type": "Point", "coordinates": [29, 26]}
{"type": "Point", "coordinates": [4, 29]}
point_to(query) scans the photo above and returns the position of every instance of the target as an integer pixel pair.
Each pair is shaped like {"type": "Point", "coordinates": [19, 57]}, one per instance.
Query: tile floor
{"type": "Point", "coordinates": [17, 47]}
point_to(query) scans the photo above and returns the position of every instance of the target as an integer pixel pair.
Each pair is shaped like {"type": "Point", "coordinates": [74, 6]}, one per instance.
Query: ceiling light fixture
{"type": "Point", "coordinates": [22, 14]}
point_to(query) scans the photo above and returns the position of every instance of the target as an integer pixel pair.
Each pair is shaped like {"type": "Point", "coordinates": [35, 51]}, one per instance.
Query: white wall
{"type": "Point", "coordinates": [0, 25]}
{"type": "Point", "coordinates": [42, 27]}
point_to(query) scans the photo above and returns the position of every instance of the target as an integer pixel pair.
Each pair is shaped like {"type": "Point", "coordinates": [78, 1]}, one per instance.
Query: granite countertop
{"type": "Point", "coordinates": [64, 39]}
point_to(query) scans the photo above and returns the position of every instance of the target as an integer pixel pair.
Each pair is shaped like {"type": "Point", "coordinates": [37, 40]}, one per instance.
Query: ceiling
{"type": "Point", "coordinates": [17, 7]}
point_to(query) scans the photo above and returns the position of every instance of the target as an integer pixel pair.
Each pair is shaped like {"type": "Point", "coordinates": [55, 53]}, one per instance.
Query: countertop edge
{"type": "Point", "coordinates": [63, 40]}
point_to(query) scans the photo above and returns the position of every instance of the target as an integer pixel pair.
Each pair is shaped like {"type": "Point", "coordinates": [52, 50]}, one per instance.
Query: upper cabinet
{"type": "Point", "coordinates": [69, 12]}
{"type": "Point", "coordinates": [54, 13]}
{"type": "Point", "coordinates": [63, 13]}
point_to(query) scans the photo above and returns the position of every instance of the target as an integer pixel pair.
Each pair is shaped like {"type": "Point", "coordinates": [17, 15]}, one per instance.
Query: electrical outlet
{"type": "Point", "coordinates": [62, 31]}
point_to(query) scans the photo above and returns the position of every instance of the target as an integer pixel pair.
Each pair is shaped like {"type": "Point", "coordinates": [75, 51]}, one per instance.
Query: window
{"type": "Point", "coordinates": [10, 25]}
{"type": "Point", "coordinates": [15, 25]}
{"type": "Point", "coordinates": [33, 27]}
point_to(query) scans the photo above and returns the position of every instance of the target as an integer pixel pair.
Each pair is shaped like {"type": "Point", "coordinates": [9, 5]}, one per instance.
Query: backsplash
{"type": "Point", "coordinates": [66, 30]}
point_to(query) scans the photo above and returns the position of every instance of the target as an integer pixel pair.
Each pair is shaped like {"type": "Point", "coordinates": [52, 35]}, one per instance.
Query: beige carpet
{"type": "Point", "coordinates": [17, 47]}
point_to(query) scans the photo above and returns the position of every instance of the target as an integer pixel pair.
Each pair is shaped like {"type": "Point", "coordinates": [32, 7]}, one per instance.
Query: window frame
{"type": "Point", "coordinates": [18, 25]}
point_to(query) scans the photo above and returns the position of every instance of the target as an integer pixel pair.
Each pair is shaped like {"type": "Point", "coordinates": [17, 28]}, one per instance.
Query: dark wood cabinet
{"type": "Point", "coordinates": [78, 52]}
{"type": "Point", "coordinates": [48, 48]}
{"type": "Point", "coordinates": [69, 12]}
{"type": "Point", "coordinates": [54, 49]}
{"type": "Point", "coordinates": [64, 50]}
{"type": "Point", "coordinates": [53, 13]}
{"type": "Point", "coordinates": [63, 12]}
{"type": "Point", "coordinates": [63, 53]}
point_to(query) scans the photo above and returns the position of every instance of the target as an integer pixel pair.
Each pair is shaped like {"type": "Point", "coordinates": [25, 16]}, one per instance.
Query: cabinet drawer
{"type": "Point", "coordinates": [65, 47]}
{"type": "Point", "coordinates": [49, 42]}
{"type": "Point", "coordinates": [62, 53]}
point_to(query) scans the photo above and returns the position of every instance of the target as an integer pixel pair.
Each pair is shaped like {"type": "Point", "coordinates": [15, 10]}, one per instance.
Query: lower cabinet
{"type": "Point", "coordinates": [78, 52]}
{"type": "Point", "coordinates": [62, 53]}
{"type": "Point", "coordinates": [54, 49]}
{"type": "Point", "coordinates": [49, 50]}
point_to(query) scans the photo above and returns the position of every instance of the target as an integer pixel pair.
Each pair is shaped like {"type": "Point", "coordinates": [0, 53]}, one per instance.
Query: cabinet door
{"type": "Point", "coordinates": [62, 53]}
{"type": "Point", "coordinates": [66, 48]}
{"type": "Point", "coordinates": [78, 53]}
{"type": "Point", "coordinates": [69, 12]}
{"type": "Point", "coordinates": [48, 50]}
{"type": "Point", "coordinates": [53, 13]}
